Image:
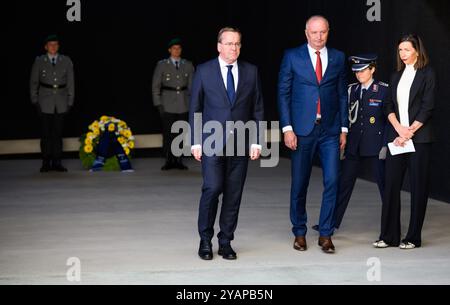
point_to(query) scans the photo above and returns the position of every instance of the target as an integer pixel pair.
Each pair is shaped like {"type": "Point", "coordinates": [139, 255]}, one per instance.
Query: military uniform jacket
{"type": "Point", "coordinates": [367, 132]}
{"type": "Point", "coordinates": [60, 77]}
{"type": "Point", "coordinates": [171, 87]}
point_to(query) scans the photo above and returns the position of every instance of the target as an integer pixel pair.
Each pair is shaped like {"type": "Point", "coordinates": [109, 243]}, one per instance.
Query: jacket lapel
{"type": "Point", "coordinates": [394, 85]}
{"type": "Point", "coordinates": [220, 83]}
{"type": "Point", "coordinates": [415, 85]}
{"type": "Point", "coordinates": [241, 81]}
{"type": "Point", "coordinates": [370, 93]}
{"type": "Point", "coordinates": [304, 54]}
{"type": "Point", "coordinates": [330, 63]}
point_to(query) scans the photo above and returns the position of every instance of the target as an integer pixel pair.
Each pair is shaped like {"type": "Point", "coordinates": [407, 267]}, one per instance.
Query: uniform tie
{"type": "Point", "coordinates": [53, 61]}
{"type": "Point", "coordinates": [363, 93]}
{"type": "Point", "coordinates": [177, 65]}
{"type": "Point", "coordinates": [319, 77]}
{"type": "Point", "coordinates": [231, 91]}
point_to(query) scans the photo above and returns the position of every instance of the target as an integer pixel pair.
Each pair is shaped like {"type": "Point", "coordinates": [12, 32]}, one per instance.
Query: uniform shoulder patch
{"type": "Point", "coordinates": [383, 84]}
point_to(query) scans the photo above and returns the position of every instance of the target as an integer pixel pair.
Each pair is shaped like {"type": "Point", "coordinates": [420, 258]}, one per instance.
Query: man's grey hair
{"type": "Point", "coordinates": [316, 17]}
{"type": "Point", "coordinates": [228, 29]}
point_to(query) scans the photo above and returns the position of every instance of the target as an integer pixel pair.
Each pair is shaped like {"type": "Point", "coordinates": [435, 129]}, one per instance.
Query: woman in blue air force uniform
{"type": "Point", "coordinates": [366, 141]}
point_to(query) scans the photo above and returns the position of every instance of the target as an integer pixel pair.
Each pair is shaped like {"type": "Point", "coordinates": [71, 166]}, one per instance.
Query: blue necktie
{"type": "Point", "coordinates": [230, 85]}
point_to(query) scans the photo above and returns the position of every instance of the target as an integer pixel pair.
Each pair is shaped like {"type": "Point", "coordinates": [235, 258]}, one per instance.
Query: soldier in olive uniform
{"type": "Point", "coordinates": [171, 86]}
{"type": "Point", "coordinates": [52, 91]}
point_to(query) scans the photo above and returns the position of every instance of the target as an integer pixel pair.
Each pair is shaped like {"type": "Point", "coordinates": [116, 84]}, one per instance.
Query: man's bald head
{"type": "Point", "coordinates": [316, 18]}
{"type": "Point", "coordinates": [317, 28]}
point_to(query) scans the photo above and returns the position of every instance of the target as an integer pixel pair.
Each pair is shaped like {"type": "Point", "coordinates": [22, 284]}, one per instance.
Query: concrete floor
{"type": "Point", "coordinates": [140, 228]}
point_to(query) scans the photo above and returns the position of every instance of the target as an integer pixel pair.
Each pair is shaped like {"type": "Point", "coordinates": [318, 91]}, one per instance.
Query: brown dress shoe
{"type": "Point", "coordinates": [300, 243]}
{"type": "Point", "coordinates": [326, 244]}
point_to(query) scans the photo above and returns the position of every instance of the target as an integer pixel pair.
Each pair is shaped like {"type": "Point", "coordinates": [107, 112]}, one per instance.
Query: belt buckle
{"type": "Point", "coordinates": [55, 86]}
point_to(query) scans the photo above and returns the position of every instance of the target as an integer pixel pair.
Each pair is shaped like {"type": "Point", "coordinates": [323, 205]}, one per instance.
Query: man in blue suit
{"type": "Point", "coordinates": [312, 100]}
{"type": "Point", "coordinates": [224, 90]}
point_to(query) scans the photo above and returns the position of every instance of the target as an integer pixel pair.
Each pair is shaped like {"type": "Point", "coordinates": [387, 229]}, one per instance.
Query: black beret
{"type": "Point", "coordinates": [52, 37]}
{"type": "Point", "coordinates": [174, 42]}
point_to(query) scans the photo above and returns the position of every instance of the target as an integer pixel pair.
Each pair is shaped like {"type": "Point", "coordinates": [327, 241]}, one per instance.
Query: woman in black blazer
{"type": "Point", "coordinates": [409, 110]}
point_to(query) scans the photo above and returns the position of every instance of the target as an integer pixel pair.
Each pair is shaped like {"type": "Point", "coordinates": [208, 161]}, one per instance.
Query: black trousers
{"type": "Point", "coordinates": [349, 172]}
{"type": "Point", "coordinates": [51, 138]}
{"type": "Point", "coordinates": [418, 165]}
{"type": "Point", "coordinates": [168, 120]}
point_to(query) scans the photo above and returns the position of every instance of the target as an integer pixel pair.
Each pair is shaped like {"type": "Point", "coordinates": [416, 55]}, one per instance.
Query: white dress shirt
{"type": "Point", "coordinates": [175, 61]}
{"type": "Point", "coordinates": [365, 87]}
{"type": "Point", "coordinates": [324, 59]}
{"type": "Point", "coordinates": [224, 71]}
{"type": "Point", "coordinates": [51, 57]}
{"type": "Point", "coordinates": [403, 89]}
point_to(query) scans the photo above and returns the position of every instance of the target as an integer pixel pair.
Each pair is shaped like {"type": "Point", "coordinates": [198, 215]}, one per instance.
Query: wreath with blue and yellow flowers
{"type": "Point", "coordinates": [90, 140]}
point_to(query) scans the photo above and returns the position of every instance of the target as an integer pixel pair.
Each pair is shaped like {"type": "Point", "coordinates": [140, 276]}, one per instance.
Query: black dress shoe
{"type": "Point", "coordinates": [179, 164]}
{"type": "Point", "coordinates": [168, 165]}
{"type": "Point", "coordinates": [205, 250]}
{"type": "Point", "coordinates": [227, 252]}
{"type": "Point", "coordinates": [59, 168]}
{"type": "Point", "coordinates": [45, 168]}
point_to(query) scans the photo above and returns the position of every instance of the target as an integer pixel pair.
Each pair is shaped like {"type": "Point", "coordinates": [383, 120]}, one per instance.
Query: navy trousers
{"type": "Point", "coordinates": [349, 172]}
{"type": "Point", "coordinates": [328, 148]}
{"type": "Point", "coordinates": [221, 176]}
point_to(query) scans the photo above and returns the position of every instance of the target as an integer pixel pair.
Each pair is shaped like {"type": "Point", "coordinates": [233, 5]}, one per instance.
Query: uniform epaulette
{"type": "Point", "coordinates": [351, 85]}
{"type": "Point", "coordinates": [383, 84]}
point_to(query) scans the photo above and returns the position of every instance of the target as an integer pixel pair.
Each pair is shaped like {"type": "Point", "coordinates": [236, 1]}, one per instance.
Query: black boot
{"type": "Point", "coordinates": [179, 164]}
{"type": "Point", "coordinates": [169, 164]}
{"type": "Point", "coordinates": [57, 166]}
{"type": "Point", "coordinates": [46, 167]}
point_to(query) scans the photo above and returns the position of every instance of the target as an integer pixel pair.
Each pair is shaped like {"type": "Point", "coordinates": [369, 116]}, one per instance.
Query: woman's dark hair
{"type": "Point", "coordinates": [422, 58]}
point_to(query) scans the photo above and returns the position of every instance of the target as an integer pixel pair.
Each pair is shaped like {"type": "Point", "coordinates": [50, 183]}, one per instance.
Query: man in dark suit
{"type": "Point", "coordinates": [312, 100]}
{"type": "Point", "coordinates": [224, 90]}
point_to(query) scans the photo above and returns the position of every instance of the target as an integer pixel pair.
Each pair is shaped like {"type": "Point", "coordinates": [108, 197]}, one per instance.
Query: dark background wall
{"type": "Point", "coordinates": [117, 43]}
